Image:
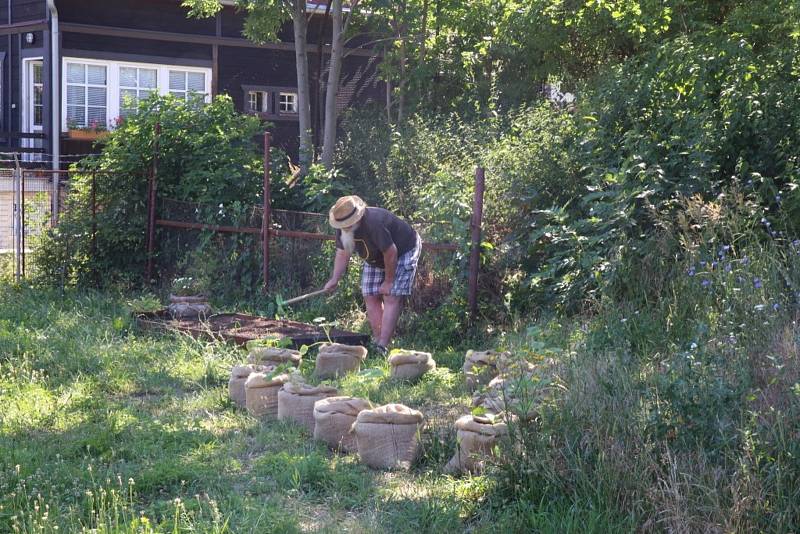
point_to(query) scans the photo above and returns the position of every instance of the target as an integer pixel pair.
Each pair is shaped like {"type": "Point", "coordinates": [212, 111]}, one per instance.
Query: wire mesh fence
{"type": "Point", "coordinates": [197, 239]}
{"type": "Point", "coordinates": [222, 243]}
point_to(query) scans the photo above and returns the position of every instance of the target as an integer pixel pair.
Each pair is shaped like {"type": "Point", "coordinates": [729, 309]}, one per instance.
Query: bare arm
{"type": "Point", "coordinates": [340, 263]}
{"type": "Point", "coordinates": [390, 264]}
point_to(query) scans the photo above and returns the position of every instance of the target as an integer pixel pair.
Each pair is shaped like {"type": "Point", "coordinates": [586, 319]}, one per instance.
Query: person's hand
{"type": "Point", "coordinates": [331, 286]}
{"type": "Point", "coordinates": [385, 288]}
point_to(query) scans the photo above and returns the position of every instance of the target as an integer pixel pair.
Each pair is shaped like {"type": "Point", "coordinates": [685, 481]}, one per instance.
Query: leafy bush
{"type": "Point", "coordinates": [205, 154]}
{"type": "Point", "coordinates": [687, 118]}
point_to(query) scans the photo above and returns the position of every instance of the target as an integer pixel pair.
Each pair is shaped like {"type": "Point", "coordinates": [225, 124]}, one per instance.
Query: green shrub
{"type": "Point", "coordinates": [205, 154]}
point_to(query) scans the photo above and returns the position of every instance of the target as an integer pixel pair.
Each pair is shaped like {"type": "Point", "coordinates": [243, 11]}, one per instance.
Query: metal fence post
{"type": "Point", "coordinates": [17, 224]}
{"type": "Point", "coordinates": [94, 229]}
{"type": "Point", "coordinates": [266, 217]}
{"type": "Point", "coordinates": [22, 218]}
{"type": "Point", "coordinates": [474, 259]}
{"type": "Point", "coordinates": [151, 206]}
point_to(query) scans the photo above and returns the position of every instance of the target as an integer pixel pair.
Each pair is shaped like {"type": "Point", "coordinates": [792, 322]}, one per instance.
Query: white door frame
{"type": "Point", "coordinates": [26, 117]}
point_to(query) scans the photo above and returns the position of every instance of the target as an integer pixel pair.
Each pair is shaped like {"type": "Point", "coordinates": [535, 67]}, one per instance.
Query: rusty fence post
{"type": "Point", "coordinates": [22, 218]}
{"type": "Point", "coordinates": [151, 207]}
{"type": "Point", "coordinates": [266, 217]}
{"type": "Point", "coordinates": [475, 253]}
{"type": "Point", "coordinates": [94, 228]}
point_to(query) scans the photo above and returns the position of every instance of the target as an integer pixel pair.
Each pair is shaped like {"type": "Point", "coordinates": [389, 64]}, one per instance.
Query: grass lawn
{"type": "Point", "coordinates": [103, 427]}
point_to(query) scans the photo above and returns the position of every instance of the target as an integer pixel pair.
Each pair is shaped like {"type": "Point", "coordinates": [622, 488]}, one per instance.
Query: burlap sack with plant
{"type": "Point", "coordinates": [261, 393]}
{"type": "Point", "coordinates": [336, 359]}
{"type": "Point", "coordinates": [480, 367]}
{"type": "Point", "coordinates": [387, 437]}
{"type": "Point", "coordinates": [410, 364]}
{"type": "Point", "coordinates": [476, 437]}
{"type": "Point", "coordinates": [518, 396]}
{"type": "Point", "coordinates": [333, 419]}
{"type": "Point", "coordinates": [296, 402]}
{"type": "Point", "coordinates": [239, 374]}
{"type": "Point", "coordinates": [274, 356]}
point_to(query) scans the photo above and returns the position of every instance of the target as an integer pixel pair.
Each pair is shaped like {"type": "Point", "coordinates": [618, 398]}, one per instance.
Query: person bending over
{"type": "Point", "coordinates": [390, 248]}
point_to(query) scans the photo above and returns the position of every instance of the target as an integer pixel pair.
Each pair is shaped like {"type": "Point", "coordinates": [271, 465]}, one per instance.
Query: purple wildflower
{"type": "Point", "coordinates": [757, 283]}
{"type": "Point", "coordinates": [728, 267]}
{"type": "Point", "coordinates": [691, 271]}
{"type": "Point", "coordinates": [706, 283]}
{"type": "Point", "coordinates": [776, 307]}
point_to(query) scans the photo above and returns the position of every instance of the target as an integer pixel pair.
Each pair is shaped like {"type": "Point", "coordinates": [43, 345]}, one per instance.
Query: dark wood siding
{"type": "Point", "coordinates": [22, 10]}
{"type": "Point", "coordinates": [120, 45]}
{"type": "Point", "coordinates": [260, 67]}
{"type": "Point", "coordinates": [154, 15]}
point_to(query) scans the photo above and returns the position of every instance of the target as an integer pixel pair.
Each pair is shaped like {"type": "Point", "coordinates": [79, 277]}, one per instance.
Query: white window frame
{"type": "Point", "coordinates": [112, 83]}
{"type": "Point", "coordinates": [280, 104]}
{"type": "Point", "coordinates": [265, 101]}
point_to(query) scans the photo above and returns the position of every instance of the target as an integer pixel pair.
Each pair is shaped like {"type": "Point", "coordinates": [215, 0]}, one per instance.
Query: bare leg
{"type": "Point", "coordinates": [392, 306]}
{"type": "Point", "coordinates": [374, 305]}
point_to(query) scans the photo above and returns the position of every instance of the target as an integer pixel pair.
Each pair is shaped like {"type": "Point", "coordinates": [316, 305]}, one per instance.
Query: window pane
{"type": "Point", "coordinates": [97, 117]}
{"type": "Point", "coordinates": [96, 96]}
{"type": "Point", "coordinates": [96, 74]}
{"type": "Point", "coordinates": [76, 116]}
{"type": "Point", "coordinates": [76, 73]}
{"type": "Point", "coordinates": [179, 94]}
{"type": "Point", "coordinates": [37, 73]}
{"type": "Point", "coordinates": [38, 111]}
{"type": "Point", "coordinates": [145, 94]}
{"type": "Point", "coordinates": [197, 82]}
{"type": "Point", "coordinates": [127, 98]}
{"type": "Point", "coordinates": [37, 95]}
{"type": "Point", "coordinates": [76, 95]}
{"type": "Point", "coordinates": [127, 77]}
{"type": "Point", "coordinates": [177, 80]}
{"type": "Point", "coordinates": [147, 78]}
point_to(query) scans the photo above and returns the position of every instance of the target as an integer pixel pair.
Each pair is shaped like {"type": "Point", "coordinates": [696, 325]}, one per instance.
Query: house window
{"type": "Point", "coordinates": [96, 91]}
{"type": "Point", "coordinates": [38, 93]}
{"type": "Point", "coordinates": [257, 101]}
{"type": "Point", "coordinates": [287, 102]}
{"type": "Point", "coordinates": [186, 84]}
{"type": "Point", "coordinates": [86, 94]}
{"type": "Point", "coordinates": [135, 85]}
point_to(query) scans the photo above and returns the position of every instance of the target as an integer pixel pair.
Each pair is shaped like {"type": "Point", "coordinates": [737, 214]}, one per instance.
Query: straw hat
{"type": "Point", "coordinates": [346, 212]}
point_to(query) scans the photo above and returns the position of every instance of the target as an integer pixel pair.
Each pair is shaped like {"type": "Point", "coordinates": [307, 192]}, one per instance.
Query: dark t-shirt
{"type": "Point", "coordinates": [379, 230]}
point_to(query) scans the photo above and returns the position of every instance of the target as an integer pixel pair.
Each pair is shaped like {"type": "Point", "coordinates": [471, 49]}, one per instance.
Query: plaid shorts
{"type": "Point", "coordinates": [404, 275]}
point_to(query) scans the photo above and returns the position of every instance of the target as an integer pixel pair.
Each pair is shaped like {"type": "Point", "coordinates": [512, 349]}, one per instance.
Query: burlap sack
{"type": "Point", "coordinates": [335, 359]}
{"type": "Point", "coordinates": [239, 374]}
{"type": "Point", "coordinates": [274, 356]}
{"type": "Point", "coordinates": [261, 393]}
{"type": "Point", "coordinates": [296, 402]}
{"type": "Point", "coordinates": [514, 395]}
{"type": "Point", "coordinates": [409, 364]}
{"type": "Point", "coordinates": [476, 437]}
{"type": "Point", "coordinates": [387, 437]}
{"type": "Point", "coordinates": [481, 366]}
{"type": "Point", "coordinates": [333, 418]}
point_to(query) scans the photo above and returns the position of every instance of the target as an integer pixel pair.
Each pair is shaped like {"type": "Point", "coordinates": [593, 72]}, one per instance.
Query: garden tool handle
{"type": "Point", "coordinates": [306, 296]}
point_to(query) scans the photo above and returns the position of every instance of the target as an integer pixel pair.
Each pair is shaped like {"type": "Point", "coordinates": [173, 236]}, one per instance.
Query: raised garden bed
{"type": "Point", "coordinates": [241, 328]}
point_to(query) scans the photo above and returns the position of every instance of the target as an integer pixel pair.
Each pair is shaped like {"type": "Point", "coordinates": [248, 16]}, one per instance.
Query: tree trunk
{"type": "Point", "coordinates": [318, 118]}
{"type": "Point", "coordinates": [303, 97]}
{"type": "Point", "coordinates": [332, 87]}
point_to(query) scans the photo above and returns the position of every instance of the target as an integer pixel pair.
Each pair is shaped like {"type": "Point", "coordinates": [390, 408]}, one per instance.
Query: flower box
{"type": "Point", "coordinates": [87, 135]}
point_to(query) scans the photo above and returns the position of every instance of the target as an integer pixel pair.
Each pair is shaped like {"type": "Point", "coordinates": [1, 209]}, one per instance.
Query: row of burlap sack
{"type": "Point", "coordinates": [386, 437]}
